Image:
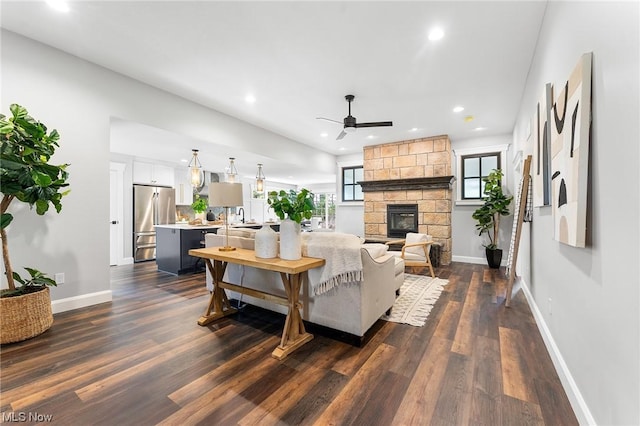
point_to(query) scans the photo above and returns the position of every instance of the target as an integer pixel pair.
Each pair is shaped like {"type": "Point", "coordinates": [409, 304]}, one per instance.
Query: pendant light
{"type": "Point", "coordinates": [231, 171]}
{"type": "Point", "coordinates": [196, 174]}
{"type": "Point", "coordinates": [260, 179]}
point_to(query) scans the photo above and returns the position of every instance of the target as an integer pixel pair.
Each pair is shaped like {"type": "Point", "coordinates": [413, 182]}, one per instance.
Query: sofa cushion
{"type": "Point", "coordinates": [375, 250]}
{"type": "Point", "coordinates": [236, 232]}
{"type": "Point", "coordinates": [399, 266]}
{"type": "Point", "coordinates": [412, 238]}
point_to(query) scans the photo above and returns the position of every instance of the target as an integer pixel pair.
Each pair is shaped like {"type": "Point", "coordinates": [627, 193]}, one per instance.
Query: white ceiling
{"type": "Point", "coordinates": [299, 60]}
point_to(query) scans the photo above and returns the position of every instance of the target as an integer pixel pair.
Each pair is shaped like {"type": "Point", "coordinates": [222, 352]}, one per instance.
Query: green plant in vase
{"type": "Point", "coordinates": [291, 207]}
{"type": "Point", "coordinates": [199, 205]}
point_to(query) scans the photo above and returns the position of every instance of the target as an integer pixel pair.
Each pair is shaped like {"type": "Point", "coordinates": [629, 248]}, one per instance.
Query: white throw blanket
{"type": "Point", "coordinates": [341, 253]}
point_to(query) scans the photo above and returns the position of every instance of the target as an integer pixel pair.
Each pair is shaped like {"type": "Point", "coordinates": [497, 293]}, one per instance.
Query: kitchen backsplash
{"type": "Point", "coordinates": [186, 213]}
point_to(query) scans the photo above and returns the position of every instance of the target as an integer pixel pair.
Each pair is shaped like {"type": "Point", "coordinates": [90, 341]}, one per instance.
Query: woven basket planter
{"type": "Point", "coordinates": [25, 316]}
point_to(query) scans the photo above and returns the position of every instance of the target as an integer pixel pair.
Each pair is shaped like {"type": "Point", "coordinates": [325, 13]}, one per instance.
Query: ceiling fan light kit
{"type": "Point", "coordinates": [350, 123]}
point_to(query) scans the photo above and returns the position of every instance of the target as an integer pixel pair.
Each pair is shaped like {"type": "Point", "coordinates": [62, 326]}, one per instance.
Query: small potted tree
{"type": "Point", "coordinates": [496, 204]}
{"type": "Point", "coordinates": [26, 175]}
{"type": "Point", "coordinates": [291, 207]}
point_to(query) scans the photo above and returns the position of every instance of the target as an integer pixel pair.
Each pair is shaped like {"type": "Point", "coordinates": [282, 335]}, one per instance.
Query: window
{"type": "Point", "coordinates": [325, 210]}
{"type": "Point", "coordinates": [474, 168]}
{"type": "Point", "coordinates": [472, 164]}
{"type": "Point", "coordinates": [351, 190]}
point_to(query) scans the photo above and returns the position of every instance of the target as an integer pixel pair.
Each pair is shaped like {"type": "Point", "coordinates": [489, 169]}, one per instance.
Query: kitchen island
{"type": "Point", "coordinates": [174, 241]}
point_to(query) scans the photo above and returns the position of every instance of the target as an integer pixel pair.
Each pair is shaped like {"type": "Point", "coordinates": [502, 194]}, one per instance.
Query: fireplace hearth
{"type": "Point", "coordinates": [401, 218]}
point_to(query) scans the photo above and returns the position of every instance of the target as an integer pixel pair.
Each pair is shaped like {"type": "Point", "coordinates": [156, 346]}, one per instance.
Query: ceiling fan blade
{"type": "Point", "coordinates": [376, 124]}
{"type": "Point", "coordinates": [341, 135]}
{"type": "Point", "coordinates": [329, 119]}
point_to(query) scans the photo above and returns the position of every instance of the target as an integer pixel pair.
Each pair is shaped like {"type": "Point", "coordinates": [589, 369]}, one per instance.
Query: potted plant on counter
{"type": "Point", "coordinates": [496, 204]}
{"type": "Point", "coordinates": [199, 207]}
{"type": "Point", "coordinates": [291, 207]}
{"type": "Point", "coordinates": [26, 175]}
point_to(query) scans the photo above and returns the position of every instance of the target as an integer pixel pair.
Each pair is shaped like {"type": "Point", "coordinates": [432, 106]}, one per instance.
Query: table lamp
{"type": "Point", "coordinates": [225, 194]}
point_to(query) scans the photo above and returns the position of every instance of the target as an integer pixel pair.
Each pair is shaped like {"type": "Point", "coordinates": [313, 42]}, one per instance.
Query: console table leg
{"type": "Point", "coordinates": [293, 334]}
{"type": "Point", "coordinates": [219, 305]}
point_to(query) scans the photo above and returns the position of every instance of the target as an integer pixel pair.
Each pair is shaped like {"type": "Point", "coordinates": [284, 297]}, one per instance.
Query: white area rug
{"type": "Point", "coordinates": [418, 294]}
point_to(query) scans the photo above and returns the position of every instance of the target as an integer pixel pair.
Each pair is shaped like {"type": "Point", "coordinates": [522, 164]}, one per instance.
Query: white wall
{"type": "Point", "coordinates": [587, 300]}
{"type": "Point", "coordinates": [79, 98]}
{"type": "Point", "coordinates": [349, 215]}
{"type": "Point", "coordinates": [467, 245]}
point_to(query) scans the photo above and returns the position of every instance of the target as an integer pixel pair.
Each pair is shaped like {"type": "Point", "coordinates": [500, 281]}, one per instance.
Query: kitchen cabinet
{"type": "Point", "coordinates": [173, 245]}
{"type": "Point", "coordinates": [153, 174]}
{"type": "Point", "coordinates": [184, 189]}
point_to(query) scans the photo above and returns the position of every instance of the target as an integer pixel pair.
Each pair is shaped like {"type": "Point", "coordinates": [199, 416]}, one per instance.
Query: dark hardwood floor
{"type": "Point", "coordinates": [143, 360]}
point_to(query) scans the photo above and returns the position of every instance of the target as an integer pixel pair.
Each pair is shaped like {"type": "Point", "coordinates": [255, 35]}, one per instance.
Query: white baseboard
{"type": "Point", "coordinates": [476, 260]}
{"type": "Point", "coordinates": [127, 261]}
{"type": "Point", "coordinates": [579, 405]}
{"type": "Point", "coordinates": [469, 259]}
{"type": "Point", "coordinates": [84, 300]}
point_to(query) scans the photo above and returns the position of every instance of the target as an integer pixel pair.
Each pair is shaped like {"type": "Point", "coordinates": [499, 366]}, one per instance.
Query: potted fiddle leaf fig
{"type": "Point", "coordinates": [291, 207]}
{"type": "Point", "coordinates": [27, 175]}
{"type": "Point", "coordinates": [496, 204]}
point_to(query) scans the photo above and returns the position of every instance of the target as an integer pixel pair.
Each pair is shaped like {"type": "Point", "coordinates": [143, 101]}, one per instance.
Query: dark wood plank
{"type": "Point", "coordinates": [142, 359]}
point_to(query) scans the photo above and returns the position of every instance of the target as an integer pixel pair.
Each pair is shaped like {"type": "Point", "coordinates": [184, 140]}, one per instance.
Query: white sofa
{"type": "Point", "coordinates": [349, 307]}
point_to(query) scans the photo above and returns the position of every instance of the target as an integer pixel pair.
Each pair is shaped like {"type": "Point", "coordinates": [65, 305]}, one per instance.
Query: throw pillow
{"type": "Point", "coordinates": [417, 238]}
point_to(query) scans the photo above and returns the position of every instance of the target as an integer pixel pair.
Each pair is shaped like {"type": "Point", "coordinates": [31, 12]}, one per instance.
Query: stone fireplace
{"type": "Point", "coordinates": [413, 172]}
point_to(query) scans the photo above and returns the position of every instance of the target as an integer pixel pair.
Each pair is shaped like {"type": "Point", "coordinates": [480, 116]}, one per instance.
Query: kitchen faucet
{"type": "Point", "coordinates": [241, 209]}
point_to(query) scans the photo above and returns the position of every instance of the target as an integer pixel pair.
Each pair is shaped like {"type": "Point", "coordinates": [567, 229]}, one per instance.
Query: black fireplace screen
{"type": "Point", "coordinates": [401, 218]}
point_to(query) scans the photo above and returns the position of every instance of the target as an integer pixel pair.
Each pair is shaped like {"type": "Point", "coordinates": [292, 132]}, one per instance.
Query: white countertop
{"type": "Point", "coordinates": [187, 226]}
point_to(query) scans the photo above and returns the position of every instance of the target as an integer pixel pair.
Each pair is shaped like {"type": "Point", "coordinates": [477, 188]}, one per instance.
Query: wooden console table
{"type": "Point", "coordinates": [292, 272]}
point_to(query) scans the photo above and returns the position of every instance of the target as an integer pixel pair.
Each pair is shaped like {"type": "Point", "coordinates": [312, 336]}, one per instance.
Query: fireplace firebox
{"type": "Point", "coordinates": [401, 218]}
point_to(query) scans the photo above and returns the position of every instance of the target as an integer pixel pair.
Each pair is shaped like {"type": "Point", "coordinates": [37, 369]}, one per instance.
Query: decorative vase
{"type": "Point", "coordinates": [25, 316]}
{"type": "Point", "coordinates": [494, 257]}
{"type": "Point", "coordinates": [266, 242]}
{"type": "Point", "coordinates": [290, 240]}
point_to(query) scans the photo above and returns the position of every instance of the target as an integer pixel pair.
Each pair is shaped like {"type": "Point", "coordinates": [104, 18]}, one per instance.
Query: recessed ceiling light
{"type": "Point", "coordinates": [342, 148]}
{"type": "Point", "coordinates": [468, 118]}
{"type": "Point", "coordinates": [324, 134]}
{"type": "Point", "coordinates": [184, 160]}
{"type": "Point", "coordinates": [250, 99]}
{"type": "Point", "coordinates": [436, 34]}
{"type": "Point", "coordinates": [370, 137]}
{"type": "Point", "coordinates": [413, 129]}
{"type": "Point", "coordinates": [458, 109]}
{"type": "Point", "coordinates": [479, 128]}
{"type": "Point", "coordinates": [59, 5]}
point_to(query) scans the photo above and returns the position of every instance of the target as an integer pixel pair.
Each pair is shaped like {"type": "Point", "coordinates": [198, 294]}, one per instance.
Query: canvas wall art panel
{"type": "Point", "coordinates": [541, 166]}
{"type": "Point", "coordinates": [570, 132]}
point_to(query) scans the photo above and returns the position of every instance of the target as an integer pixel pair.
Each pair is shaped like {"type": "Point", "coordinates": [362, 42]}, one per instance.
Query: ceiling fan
{"type": "Point", "coordinates": [350, 124]}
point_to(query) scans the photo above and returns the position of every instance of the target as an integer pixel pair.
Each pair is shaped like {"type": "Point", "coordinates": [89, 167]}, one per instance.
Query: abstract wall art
{"type": "Point", "coordinates": [541, 148]}
{"type": "Point", "coordinates": [570, 131]}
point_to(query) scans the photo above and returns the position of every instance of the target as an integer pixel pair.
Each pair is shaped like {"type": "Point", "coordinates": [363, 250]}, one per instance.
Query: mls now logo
{"type": "Point", "coordinates": [21, 416]}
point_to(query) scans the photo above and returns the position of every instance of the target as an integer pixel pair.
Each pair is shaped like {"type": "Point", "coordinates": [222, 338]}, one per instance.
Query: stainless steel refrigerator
{"type": "Point", "coordinates": [152, 205]}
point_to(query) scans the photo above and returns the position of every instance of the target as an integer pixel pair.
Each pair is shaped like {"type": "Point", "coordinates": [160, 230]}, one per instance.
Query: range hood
{"type": "Point", "coordinates": [209, 177]}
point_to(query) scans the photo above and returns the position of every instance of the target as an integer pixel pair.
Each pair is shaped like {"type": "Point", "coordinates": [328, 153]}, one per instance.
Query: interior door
{"type": "Point", "coordinates": [116, 214]}
{"type": "Point", "coordinates": [113, 217]}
